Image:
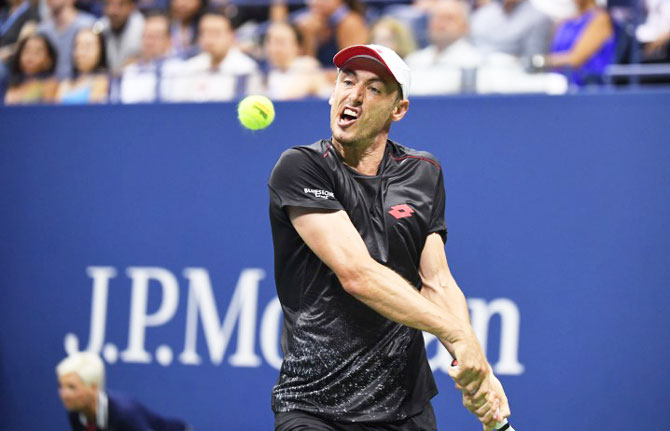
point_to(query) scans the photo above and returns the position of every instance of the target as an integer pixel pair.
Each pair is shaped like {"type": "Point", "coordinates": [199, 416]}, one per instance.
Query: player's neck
{"type": "Point", "coordinates": [364, 158]}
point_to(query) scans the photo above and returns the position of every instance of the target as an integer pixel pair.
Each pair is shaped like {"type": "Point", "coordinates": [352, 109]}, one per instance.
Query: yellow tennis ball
{"type": "Point", "coordinates": [256, 112]}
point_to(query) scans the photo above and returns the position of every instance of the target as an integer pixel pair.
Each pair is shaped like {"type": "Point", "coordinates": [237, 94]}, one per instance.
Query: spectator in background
{"type": "Point", "coordinates": [393, 33]}
{"type": "Point", "coordinates": [122, 29]}
{"type": "Point", "coordinates": [439, 68]}
{"type": "Point", "coordinates": [31, 79]}
{"type": "Point", "coordinates": [291, 75]}
{"type": "Point", "coordinates": [184, 27]}
{"type": "Point", "coordinates": [220, 73]}
{"type": "Point", "coordinates": [140, 81]}
{"type": "Point", "coordinates": [81, 386]}
{"type": "Point", "coordinates": [330, 25]}
{"type": "Point", "coordinates": [654, 33]}
{"type": "Point", "coordinates": [61, 27]}
{"type": "Point", "coordinates": [512, 27]}
{"type": "Point", "coordinates": [13, 17]}
{"type": "Point", "coordinates": [583, 46]}
{"type": "Point", "coordinates": [89, 82]}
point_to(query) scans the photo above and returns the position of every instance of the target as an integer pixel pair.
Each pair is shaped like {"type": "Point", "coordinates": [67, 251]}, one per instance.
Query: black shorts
{"type": "Point", "coordinates": [303, 421]}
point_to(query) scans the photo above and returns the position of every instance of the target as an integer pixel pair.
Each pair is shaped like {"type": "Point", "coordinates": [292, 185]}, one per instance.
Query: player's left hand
{"type": "Point", "coordinates": [493, 407]}
{"type": "Point", "coordinates": [497, 388]}
{"type": "Point", "coordinates": [485, 405]}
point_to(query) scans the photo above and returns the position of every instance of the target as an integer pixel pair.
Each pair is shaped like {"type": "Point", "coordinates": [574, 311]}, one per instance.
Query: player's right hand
{"type": "Point", "coordinates": [472, 367]}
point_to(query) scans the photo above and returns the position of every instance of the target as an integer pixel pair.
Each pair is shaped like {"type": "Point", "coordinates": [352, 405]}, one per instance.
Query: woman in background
{"type": "Point", "coordinates": [90, 83]}
{"type": "Point", "coordinates": [583, 46]}
{"type": "Point", "coordinates": [327, 26]}
{"type": "Point", "coordinates": [291, 75]}
{"type": "Point", "coordinates": [184, 16]}
{"type": "Point", "coordinates": [393, 33]}
{"type": "Point", "coordinates": [31, 76]}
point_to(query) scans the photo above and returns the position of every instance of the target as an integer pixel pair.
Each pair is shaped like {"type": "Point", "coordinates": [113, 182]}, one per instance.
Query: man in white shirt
{"type": "Point", "coordinates": [513, 27]}
{"type": "Point", "coordinates": [444, 66]}
{"type": "Point", "coordinates": [140, 81]}
{"type": "Point", "coordinates": [654, 33]}
{"type": "Point", "coordinates": [221, 72]}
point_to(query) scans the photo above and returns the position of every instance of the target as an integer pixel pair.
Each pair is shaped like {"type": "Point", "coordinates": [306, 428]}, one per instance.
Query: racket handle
{"type": "Point", "coordinates": [504, 425]}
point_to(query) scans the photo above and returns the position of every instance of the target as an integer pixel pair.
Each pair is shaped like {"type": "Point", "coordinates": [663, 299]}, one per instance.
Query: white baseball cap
{"type": "Point", "coordinates": [386, 56]}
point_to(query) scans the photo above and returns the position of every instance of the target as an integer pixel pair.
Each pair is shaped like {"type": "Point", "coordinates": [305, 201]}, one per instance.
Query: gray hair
{"type": "Point", "coordinates": [87, 365]}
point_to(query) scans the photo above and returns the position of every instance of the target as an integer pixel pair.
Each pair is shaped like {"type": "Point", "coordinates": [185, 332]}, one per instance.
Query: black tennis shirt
{"type": "Point", "coordinates": [342, 360]}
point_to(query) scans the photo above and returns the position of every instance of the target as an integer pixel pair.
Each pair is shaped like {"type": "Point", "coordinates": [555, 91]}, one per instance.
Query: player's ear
{"type": "Point", "coordinates": [399, 110]}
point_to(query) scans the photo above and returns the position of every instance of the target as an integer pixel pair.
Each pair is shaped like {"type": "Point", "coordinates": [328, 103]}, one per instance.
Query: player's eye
{"type": "Point", "coordinates": [348, 82]}
{"type": "Point", "coordinates": [375, 90]}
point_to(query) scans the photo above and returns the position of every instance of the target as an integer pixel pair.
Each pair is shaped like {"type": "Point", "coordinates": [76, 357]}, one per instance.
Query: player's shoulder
{"type": "Point", "coordinates": [421, 159]}
{"type": "Point", "coordinates": [300, 154]}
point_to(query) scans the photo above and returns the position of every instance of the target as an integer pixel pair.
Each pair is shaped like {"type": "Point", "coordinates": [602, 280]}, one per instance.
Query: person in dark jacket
{"type": "Point", "coordinates": [81, 378]}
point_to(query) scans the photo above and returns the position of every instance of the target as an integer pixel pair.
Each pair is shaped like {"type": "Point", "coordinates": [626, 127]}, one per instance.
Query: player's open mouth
{"type": "Point", "coordinates": [348, 116]}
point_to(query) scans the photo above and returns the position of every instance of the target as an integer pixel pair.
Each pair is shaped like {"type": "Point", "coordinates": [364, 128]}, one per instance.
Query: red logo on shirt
{"type": "Point", "coordinates": [401, 211]}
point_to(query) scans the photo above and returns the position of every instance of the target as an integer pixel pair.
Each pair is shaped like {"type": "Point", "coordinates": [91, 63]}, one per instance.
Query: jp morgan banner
{"type": "Point", "coordinates": [142, 233]}
{"type": "Point", "coordinates": [252, 320]}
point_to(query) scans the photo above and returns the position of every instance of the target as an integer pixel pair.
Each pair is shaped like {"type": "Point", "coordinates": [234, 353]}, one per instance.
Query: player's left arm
{"type": "Point", "coordinates": [440, 287]}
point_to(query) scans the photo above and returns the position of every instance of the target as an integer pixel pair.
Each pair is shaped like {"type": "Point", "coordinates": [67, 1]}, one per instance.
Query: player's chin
{"type": "Point", "coordinates": [344, 137]}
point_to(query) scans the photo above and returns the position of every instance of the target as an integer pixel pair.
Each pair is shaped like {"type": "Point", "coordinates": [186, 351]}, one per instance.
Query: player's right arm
{"type": "Point", "coordinates": [331, 235]}
{"type": "Point", "coordinates": [488, 401]}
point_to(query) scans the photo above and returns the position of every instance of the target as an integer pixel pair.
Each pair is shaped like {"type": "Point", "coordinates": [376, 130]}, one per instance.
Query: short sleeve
{"type": "Point", "coordinates": [298, 179]}
{"type": "Point", "coordinates": [437, 222]}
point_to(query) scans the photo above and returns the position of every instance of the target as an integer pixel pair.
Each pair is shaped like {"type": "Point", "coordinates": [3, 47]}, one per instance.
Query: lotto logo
{"type": "Point", "coordinates": [401, 211]}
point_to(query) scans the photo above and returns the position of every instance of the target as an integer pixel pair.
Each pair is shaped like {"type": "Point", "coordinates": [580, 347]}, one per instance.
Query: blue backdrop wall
{"type": "Point", "coordinates": [142, 232]}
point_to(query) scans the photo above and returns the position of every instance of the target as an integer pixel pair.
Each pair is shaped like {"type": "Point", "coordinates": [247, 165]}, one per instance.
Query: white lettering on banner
{"type": "Point", "coordinates": [100, 276]}
{"type": "Point", "coordinates": [243, 311]}
{"type": "Point", "coordinates": [480, 316]}
{"type": "Point", "coordinates": [242, 308]}
{"type": "Point", "coordinates": [139, 319]}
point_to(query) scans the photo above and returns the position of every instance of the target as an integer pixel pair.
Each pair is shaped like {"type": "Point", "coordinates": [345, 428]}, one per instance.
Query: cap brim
{"type": "Point", "coordinates": [347, 54]}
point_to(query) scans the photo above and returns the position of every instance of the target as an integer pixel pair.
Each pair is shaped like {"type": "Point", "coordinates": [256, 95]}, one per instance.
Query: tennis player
{"type": "Point", "coordinates": [358, 229]}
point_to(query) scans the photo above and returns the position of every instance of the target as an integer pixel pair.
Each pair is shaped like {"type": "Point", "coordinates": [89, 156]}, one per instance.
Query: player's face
{"type": "Point", "coordinates": [364, 103]}
{"type": "Point", "coordinates": [74, 393]}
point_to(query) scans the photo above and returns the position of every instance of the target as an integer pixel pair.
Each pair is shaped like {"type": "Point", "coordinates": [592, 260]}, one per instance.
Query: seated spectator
{"type": "Point", "coordinates": [140, 81]}
{"type": "Point", "coordinates": [654, 33]}
{"type": "Point", "coordinates": [414, 16]}
{"type": "Point", "coordinates": [583, 46]}
{"type": "Point", "coordinates": [328, 26]}
{"type": "Point", "coordinates": [81, 387]}
{"type": "Point", "coordinates": [220, 73]}
{"type": "Point", "coordinates": [513, 27]}
{"type": "Point", "coordinates": [61, 27]}
{"type": "Point", "coordinates": [184, 26]}
{"type": "Point", "coordinates": [89, 83]}
{"type": "Point", "coordinates": [31, 78]}
{"type": "Point", "coordinates": [291, 75]}
{"type": "Point", "coordinates": [394, 34]}
{"type": "Point", "coordinates": [122, 30]}
{"type": "Point", "coordinates": [438, 68]}
{"type": "Point", "coordinates": [13, 17]}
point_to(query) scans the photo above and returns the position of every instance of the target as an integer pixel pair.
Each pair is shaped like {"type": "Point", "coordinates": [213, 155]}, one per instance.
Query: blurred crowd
{"type": "Point", "coordinates": [138, 51]}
